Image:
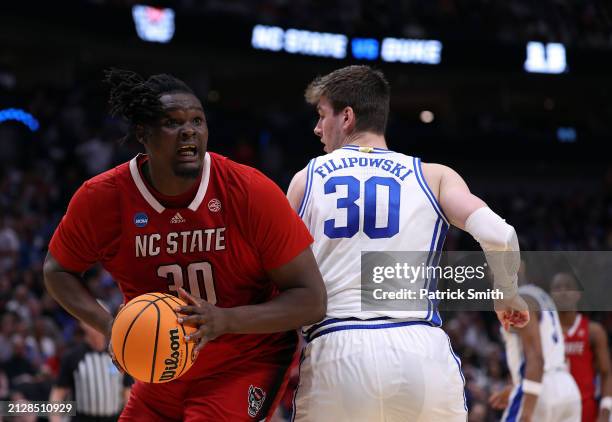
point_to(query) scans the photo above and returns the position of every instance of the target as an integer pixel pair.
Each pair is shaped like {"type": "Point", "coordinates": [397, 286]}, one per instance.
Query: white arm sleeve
{"type": "Point", "coordinates": [500, 244]}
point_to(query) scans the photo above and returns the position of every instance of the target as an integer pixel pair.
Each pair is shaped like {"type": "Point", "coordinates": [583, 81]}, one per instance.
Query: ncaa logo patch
{"type": "Point", "coordinates": [141, 219]}
{"type": "Point", "coordinates": [214, 205]}
{"type": "Point", "coordinates": [256, 399]}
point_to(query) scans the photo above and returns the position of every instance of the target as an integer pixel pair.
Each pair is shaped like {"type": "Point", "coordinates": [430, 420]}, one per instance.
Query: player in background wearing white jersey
{"type": "Point", "coordinates": [542, 388]}
{"type": "Point", "coordinates": [383, 366]}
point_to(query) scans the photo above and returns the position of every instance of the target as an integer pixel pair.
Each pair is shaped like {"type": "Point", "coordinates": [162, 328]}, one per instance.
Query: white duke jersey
{"type": "Point", "coordinates": [551, 336]}
{"type": "Point", "coordinates": [369, 199]}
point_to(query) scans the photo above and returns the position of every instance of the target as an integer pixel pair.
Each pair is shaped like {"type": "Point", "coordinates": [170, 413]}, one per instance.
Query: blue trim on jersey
{"type": "Point", "coordinates": [515, 406]}
{"type": "Point", "coordinates": [428, 263]}
{"type": "Point", "coordinates": [433, 240]}
{"type": "Point", "coordinates": [337, 320]}
{"type": "Point", "coordinates": [460, 371]}
{"type": "Point", "coordinates": [309, 172]}
{"type": "Point", "coordinates": [374, 150]}
{"type": "Point", "coordinates": [433, 259]}
{"type": "Point", "coordinates": [437, 318]}
{"type": "Point", "coordinates": [432, 198]}
{"type": "Point", "coordinates": [516, 401]}
{"type": "Point", "coordinates": [351, 324]}
{"type": "Point", "coordinates": [442, 238]}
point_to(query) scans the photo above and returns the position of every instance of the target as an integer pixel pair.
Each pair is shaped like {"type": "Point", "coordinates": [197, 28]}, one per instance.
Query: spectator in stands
{"type": "Point", "coordinates": [9, 245]}
{"type": "Point", "coordinates": [89, 375]}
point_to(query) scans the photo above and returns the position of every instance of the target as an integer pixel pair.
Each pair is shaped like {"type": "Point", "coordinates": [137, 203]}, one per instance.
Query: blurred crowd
{"type": "Point", "coordinates": [583, 23]}
{"type": "Point", "coordinates": [574, 22]}
{"type": "Point", "coordinates": [39, 171]}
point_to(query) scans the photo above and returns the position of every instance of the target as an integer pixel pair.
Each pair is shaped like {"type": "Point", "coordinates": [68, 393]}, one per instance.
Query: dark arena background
{"type": "Point", "coordinates": [513, 94]}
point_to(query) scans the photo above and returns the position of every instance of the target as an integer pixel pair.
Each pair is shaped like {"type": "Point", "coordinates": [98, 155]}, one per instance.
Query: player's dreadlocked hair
{"type": "Point", "coordinates": [136, 99]}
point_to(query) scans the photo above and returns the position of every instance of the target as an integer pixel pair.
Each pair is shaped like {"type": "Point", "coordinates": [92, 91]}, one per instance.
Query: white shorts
{"type": "Point", "coordinates": [403, 372]}
{"type": "Point", "coordinates": [559, 400]}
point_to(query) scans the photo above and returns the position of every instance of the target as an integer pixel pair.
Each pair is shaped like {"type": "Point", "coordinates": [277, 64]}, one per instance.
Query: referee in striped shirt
{"type": "Point", "coordinates": [97, 386]}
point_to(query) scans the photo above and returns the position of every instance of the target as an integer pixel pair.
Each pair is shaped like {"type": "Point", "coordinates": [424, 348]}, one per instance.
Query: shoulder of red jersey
{"type": "Point", "coordinates": [106, 182]}
{"type": "Point", "coordinates": [237, 178]}
{"type": "Point", "coordinates": [232, 169]}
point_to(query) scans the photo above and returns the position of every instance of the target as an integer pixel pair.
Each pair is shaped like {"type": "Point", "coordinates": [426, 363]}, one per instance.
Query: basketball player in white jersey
{"type": "Point", "coordinates": [542, 388]}
{"type": "Point", "coordinates": [383, 366]}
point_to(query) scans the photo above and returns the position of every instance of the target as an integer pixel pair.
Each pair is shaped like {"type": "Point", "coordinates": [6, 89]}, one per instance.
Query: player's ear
{"type": "Point", "coordinates": [348, 121]}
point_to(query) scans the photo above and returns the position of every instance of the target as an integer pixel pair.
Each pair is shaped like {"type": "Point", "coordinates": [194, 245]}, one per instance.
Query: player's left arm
{"type": "Point", "coordinates": [295, 192]}
{"type": "Point", "coordinates": [302, 301]}
{"type": "Point", "coordinates": [497, 238]}
{"type": "Point", "coordinates": [601, 351]}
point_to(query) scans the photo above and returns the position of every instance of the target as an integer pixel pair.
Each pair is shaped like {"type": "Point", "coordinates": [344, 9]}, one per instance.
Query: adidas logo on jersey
{"type": "Point", "coordinates": [178, 218]}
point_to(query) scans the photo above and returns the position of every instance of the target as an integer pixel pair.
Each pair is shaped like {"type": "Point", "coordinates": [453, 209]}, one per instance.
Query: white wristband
{"type": "Point", "coordinates": [531, 387]}
{"type": "Point", "coordinates": [606, 403]}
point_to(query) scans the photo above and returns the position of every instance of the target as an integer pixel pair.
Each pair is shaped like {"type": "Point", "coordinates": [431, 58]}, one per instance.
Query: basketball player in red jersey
{"type": "Point", "coordinates": [219, 234]}
{"type": "Point", "coordinates": [586, 349]}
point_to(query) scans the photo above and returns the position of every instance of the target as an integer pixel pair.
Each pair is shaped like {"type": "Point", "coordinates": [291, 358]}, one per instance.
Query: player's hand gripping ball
{"type": "Point", "coordinates": [147, 340]}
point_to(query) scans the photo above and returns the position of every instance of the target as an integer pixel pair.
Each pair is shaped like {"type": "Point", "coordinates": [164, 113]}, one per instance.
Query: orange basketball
{"type": "Point", "coordinates": [147, 340]}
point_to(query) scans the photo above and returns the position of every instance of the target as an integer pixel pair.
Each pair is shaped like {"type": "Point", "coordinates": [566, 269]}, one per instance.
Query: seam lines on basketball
{"type": "Point", "coordinates": [186, 344]}
{"type": "Point", "coordinates": [155, 295]}
{"type": "Point", "coordinates": [174, 299]}
{"type": "Point", "coordinates": [122, 360]}
{"type": "Point", "coordinates": [127, 305]}
{"type": "Point", "coordinates": [127, 333]}
{"type": "Point", "coordinates": [156, 340]}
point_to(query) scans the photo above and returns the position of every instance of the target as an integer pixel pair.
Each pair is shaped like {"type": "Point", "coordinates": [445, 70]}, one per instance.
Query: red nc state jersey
{"type": "Point", "coordinates": [237, 225]}
{"type": "Point", "coordinates": [580, 356]}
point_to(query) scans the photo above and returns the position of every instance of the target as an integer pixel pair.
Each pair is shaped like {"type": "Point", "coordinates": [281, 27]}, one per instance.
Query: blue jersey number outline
{"type": "Point", "coordinates": [369, 214]}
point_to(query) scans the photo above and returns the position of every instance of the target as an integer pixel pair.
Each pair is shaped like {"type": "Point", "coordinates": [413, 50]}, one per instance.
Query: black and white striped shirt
{"type": "Point", "coordinates": [96, 384]}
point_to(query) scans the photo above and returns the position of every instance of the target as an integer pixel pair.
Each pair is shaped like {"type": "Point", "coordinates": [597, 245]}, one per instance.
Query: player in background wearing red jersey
{"type": "Point", "coordinates": [221, 235]}
{"type": "Point", "coordinates": [586, 349]}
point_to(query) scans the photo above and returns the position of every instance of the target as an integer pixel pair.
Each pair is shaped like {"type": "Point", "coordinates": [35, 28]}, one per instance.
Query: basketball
{"type": "Point", "coordinates": [148, 342]}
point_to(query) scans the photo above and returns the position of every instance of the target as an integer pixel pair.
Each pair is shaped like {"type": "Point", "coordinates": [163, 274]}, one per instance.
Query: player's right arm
{"type": "Point", "coordinates": [68, 289]}
{"type": "Point", "coordinates": [295, 193]}
{"type": "Point", "coordinates": [497, 238]}
{"type": "Point", "coordinates": [79, 241]}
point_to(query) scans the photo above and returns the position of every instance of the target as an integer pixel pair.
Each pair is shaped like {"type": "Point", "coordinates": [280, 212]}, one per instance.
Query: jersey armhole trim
{"type": "Point", "coordinates": [515, 405]}
{"type": "Point", "coordinates": [308, 188]}
{"type": "Point", "coordinates": [425, 187]}
{"type": "Point", "coordinates": [574, 326]}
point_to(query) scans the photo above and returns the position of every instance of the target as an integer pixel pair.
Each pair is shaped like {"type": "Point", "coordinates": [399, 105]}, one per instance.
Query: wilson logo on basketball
{"type": "Point", "coordinates": [173, 361]}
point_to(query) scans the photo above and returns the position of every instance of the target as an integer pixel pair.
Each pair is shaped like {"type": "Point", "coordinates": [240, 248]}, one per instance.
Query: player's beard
{"type": "Point", "coordinates": [191, 172]}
